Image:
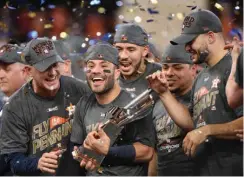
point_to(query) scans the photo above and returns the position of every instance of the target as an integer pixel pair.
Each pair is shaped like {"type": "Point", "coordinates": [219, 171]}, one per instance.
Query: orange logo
{"type": "Point", "coordinates": [56, 120]}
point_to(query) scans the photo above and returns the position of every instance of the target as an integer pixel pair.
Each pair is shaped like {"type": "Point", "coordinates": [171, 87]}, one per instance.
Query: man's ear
{"type": "Point", "coordinates": [67, 65]}
{"type": "Point", "coordinates": [211, 37]}
{"type": "Point", "coordinates": [145, 51]}
{"type": "Point", "coordinates": [27, 72]}
{"type": "Point", "coordinates": [116, 73]}
{"type": "Point", "coordinates": [194, 68]}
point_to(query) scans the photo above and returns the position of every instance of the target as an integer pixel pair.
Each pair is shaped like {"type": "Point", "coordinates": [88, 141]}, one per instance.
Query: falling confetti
{"type": "Point", "coordinates": [142, 9]}
{"type": "Point", "coordinates": [124, 21]}
{"type": "Point", "coordinates": [151, 11]}
{"type": "Point", "coordinates": [150, 20]}
{"type": "Point", "coordinates": [192, 7]}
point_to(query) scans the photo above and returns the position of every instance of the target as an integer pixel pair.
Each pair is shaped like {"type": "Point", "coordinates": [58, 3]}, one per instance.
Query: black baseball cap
{"type": "Point", "coordinates": [153, 50]}
{"type": "Point", "coordinates": [103, 51]}
{"type": "Point", "coordinates": [176, 54]}
{"type": "Point", "coordinates": [61, 49]}
{"type": "Point", "coordinates": [196, 23]}
{"type": "Point", "coordinates": [41, 54]}
{"type": "Point", "coordinates": [131, 33]}
{"type": "Point", "coordinates": [10, 53]}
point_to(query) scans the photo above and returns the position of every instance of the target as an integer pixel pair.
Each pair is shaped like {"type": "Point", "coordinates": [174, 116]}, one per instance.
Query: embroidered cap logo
{"type": "Point", "coordinates": [43, 48]}
{"type": "Point", "coordinates": [124, 38]}
{"type": "Point", "coordinates": [187, 22]}
{"type": "Point", "coordinates": [6, 48]}
{"type": "Point", "coordinates": [100, 56]}
{"type": "Point", "coordinates": [167, 58]}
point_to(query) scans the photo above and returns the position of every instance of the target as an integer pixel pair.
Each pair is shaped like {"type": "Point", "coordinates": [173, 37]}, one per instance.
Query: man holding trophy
{"type": "Point", "coordinates": [126, 148]}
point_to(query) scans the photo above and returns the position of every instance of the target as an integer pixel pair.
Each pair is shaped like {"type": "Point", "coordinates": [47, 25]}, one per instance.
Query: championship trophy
{"type": "Point", "coordinates": [116, 118]}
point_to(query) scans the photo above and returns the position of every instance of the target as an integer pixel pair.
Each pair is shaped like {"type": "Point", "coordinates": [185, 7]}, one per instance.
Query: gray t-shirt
{"type": "Point", "coordinates": [209, 106]}
{"type": "Point", "coordinates": [169, 135]}
{"type": "Point", "coordinates": [139, 84]}
{"type": "Point", "coordinates": [34, 125]}
{"type": "Point", "coordinates": [138, 131]}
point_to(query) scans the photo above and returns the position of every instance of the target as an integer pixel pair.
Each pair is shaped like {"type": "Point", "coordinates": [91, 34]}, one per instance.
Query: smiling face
{"type": "Point", "coordinates": [179, 76]}
{"type": "Point", "coordinates": [196, 46]}
{"type": "Point", "coordinates": [12, 77]}
{"type": "Point", "coordinates": [47, 81]}
{"type": "Point", "coordinates": [101, 75]}
{"type": "Point", "coordinates": [131, 57]}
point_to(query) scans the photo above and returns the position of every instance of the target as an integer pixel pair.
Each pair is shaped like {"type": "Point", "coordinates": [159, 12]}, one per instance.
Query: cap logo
{"type": "Point", "coordinates": [6, 48]}
{"type": "Point", "coordinates": [43, 48]}
{"type": "Point", "coordinates": [205, 28]}
{"type": "Point", "coordinates": [100, 56]}
{"type": "Point", "coordinates": [187, 22]}
{"type": "Point", "coordinates": [167, 58]}
{"type": "Point", "coordinates": [124, 38]}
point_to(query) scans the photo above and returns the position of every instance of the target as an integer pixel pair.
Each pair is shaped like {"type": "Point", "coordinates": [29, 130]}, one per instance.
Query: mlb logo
{"type": "Point", "coordinates": [124, 38]}
{"type": "Point", "coordinates": [100, 56]}
{"type": "Point", "coordinates": [167, 58]}
{"type": "Point", "coordinates": [205, 28]}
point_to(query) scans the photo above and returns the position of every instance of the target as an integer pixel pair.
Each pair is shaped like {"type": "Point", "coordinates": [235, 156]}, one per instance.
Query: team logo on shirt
{"type": "Point", "coordinates": [215, 82]}
{"type": "Point", "coordinates": [55, 121]}
{"type": "Point", "coordinates": [71, 109]}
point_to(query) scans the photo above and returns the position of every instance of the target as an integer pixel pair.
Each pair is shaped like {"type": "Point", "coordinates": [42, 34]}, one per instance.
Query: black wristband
{"type": "Point", "coordinates": [126, 152]}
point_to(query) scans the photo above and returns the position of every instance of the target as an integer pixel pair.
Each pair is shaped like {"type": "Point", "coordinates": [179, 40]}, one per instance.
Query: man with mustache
{"type": "Point", "coordinates": [37, 119]}
{"type": "Point", "coordinates": [132, 43]}
{"type": "Point", "coordinates": [133, 148]}
{"type": "Point", "coordinates": [213, 142]}
{"type": "Point", "coordinates": [13, 74]}
{"type": "Point", "coordinates": [180, 73]}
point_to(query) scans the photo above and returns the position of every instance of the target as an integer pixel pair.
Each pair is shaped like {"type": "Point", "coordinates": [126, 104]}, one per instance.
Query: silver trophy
{"type": "Point", "coordinates": [116, 118]}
